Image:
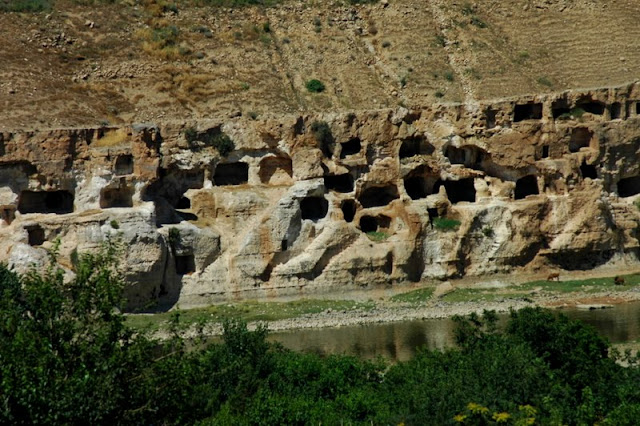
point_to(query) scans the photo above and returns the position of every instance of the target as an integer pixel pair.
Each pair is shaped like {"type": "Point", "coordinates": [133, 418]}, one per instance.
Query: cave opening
{"type": "Point", "coordinates": [629, 187]}
{"type": "Point", "coordinates": [348, 208]}
{"type": "Point", "coordinates": [416, 187]}
{"type": "Point", "coordinates": [374, 223]}
{"type": "Point", "coordinates": [231, 174]}
{"type": "Point", "coordinates": [339, 183]}
{"type": "Point", "coordinates": [314, 208]}
{"type": "Point", "coordinates": [545, 151]}
{"type": "Point", "coordinates": [124, 165]}
{"type": "Point", "coordinates": [8, 214]}
{"type": "Point", "coordinates": [457, 190]}
{"type": "Point", "coordinates": [592, 107]}
{"type": "Point", "coordinates": [275, 171]}
{"type": "Point", "coordinates": [560, 108]}
{"type": "Point", "coordinates": [615, 110]}
{"type": "Point", "coordinates": [416, 145]}
{"type": "Point", "coordinates": [351, 147]}
{"type": "Point", "coordinates": [588, 171]}
{"type": "Point", "coordinates": [525, 186]}
{"type": "Point", "coordinates": [58, 202]}
{"type": "Point", "coordinates": [378, 196]}
{"type": "Point", "coordinates": [469, 156]}
{"type": "Point", "coordinates": [185, 264]}
{"type": "Point", "coordinates": [368, 224]}
{"type": "Point", "coordinates": [183, 203]}
{"type": "Point", "coordinates": [35, 235]}
{"type": "Point", "coordinates": [637, 108]}
{"type": "Point", "coordinates": [580, 138]}
{"type": "Point", "coordinates": [116, 197]}
{"type": "Point", "coordinates": [530, 111]}
{"type": "Point", "coordinates": [490, 118]}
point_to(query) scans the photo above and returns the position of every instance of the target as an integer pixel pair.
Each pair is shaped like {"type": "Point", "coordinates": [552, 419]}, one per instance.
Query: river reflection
{"type": "Point", "coordinates": [400, 341]}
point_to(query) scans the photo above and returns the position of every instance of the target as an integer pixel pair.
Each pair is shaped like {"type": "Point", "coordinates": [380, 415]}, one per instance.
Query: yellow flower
{"type": "Point", "coordinates": [477, 408]}
{"type": "Point", "coordinates": [528, 410]}
{"type": "Point", "coordinates": [501, 417]}
{"type": "Point", "coordinates": [460, 418]}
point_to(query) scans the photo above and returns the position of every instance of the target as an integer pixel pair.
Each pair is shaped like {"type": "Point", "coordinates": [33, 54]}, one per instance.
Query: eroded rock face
{"type": "Point", "coordinates": [313, 204]}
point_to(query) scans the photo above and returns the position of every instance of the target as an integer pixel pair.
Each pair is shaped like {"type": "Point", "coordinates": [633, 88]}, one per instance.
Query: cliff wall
{"type": "Point", "coordinates": [312, 203]}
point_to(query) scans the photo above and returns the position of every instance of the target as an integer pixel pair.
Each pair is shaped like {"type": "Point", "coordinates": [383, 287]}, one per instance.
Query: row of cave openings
{"type": "Point", "coordinates": [562, 108]}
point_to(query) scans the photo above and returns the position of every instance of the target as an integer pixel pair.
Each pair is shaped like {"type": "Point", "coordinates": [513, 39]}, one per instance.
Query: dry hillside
{"type": "Point", "coordinates": [156, 61]}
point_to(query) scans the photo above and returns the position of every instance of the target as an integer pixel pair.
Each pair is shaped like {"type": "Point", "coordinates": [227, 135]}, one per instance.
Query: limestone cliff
{"type": "Point", "coordinates": [306, 204]}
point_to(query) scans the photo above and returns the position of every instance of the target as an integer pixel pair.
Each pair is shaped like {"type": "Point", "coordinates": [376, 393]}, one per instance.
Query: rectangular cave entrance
{"type": "Point", "coordinates": [560, 108]}
{"type": "Point", "coordinates": [185, 264]}
{"type": "Point", "coordinates": [530, 111]}
{"type": "Point", "coordinates": [416, 145]}
{"type": "Point", "coordinates": [545, 151]}
{"type": "Point", "coordinates": [351, 147]}
{"type": "Point", "coordinates": [339, 183]}
{"type": "Point", "coordinates": [378, 196]}
{"type": "Point", "coordinates": [8, 214]}
{"type": "Point", "coordinates": [374, 223]}
{"type": "Point", "coordinates": [348, 208]}
{"type": "Point", "coordinates": [457, 190]}
{"type": "Point", "coordinates": [588, 171]}
{"type": "Point", "coordinates": [629, 187]}
{"type": "Point", "coordinates": [580, 138]}
{"type": "Point", "coordinates": [615, 110]}
{"type": "Point", "coordinates": [116, 198]}
{"type": "Point", "coordinates": [231, 174]}
{"type": "Point", "coordinates": [490, 118]}
{"type": "Point", "coordinates": [314, 208]}
{"type": "Point", "coordinates": [592, 107]}
{"type": "Point", "coordinates": [35, 235]}
{"type": "Point", "coordinates": [526, 186]}
{"type": "Point", "coordinates": [124, 165]}
{"type": "Point", "coordinates": [58, 202]}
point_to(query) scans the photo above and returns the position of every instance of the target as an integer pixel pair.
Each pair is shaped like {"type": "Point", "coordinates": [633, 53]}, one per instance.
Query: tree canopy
{"type": "Point", "coordinates": [68, 357]}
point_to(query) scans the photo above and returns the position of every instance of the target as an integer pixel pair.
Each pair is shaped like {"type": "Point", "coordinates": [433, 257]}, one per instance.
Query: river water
{"type": "Point", "coordinates": [399, 341]}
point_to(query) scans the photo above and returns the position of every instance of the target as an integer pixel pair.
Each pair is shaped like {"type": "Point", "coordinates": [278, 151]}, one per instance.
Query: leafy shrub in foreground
{"type": "Point", "coordinates": [67, 357]}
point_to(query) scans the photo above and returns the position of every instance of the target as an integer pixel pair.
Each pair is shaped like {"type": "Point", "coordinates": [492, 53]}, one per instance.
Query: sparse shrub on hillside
{"type": "Point", "coordinates": [190, 134]}
{"type": "Point", "coordinates": [439, 94]}
{"type": "Point", "coordinates": [449, 76]}
{"type": "Point", "coordinates": [545, 81]}
{"type": "Point", "coordinates": [322, 131]}
{"type": "Point", "coordinates": [575, 113]}
{"type": "Point", "coordinates": [222, 143]}
{"type": "Point", "coordinates": [315, 86]}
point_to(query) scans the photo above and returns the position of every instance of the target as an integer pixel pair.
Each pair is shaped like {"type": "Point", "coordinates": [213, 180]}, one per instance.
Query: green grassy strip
{"type": "Point", "coordinates": [247, 311]}
{"type": "Point", "coordinates": [416, 296]}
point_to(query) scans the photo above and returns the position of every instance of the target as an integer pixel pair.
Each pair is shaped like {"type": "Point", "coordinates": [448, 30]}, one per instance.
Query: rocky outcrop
{"type": "Point", "coordinates": [321, 203]}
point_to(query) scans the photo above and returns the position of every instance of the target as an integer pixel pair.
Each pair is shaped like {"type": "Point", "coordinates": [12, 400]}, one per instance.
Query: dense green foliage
{"type": "Point", "coordinates": [314, 86]}
{"type": "Point", "coordinates": [445, 223]}
{"type": "Point", "coordinates": [67, 357]}
{"type": "Point", "coordinates": [24, 5]}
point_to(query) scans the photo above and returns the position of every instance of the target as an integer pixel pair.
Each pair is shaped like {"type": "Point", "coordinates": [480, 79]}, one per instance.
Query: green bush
{"type": "Point", "coordinates": [223, 144]}
{"type": "Point", "coordinates": [315, 86]}
{"type": "Point", "coordinates": [190, 134]}
{"type": "Point", "coordinates": [214, 138]}
{"type": "Point", "coordinates": [24, 5]}
{"type": "Point", "coordinates": [445, 224]}
{"type": "Point", "coordinates": [114, 224]}
{"type": "Point", "coordinates": [67, 357]}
